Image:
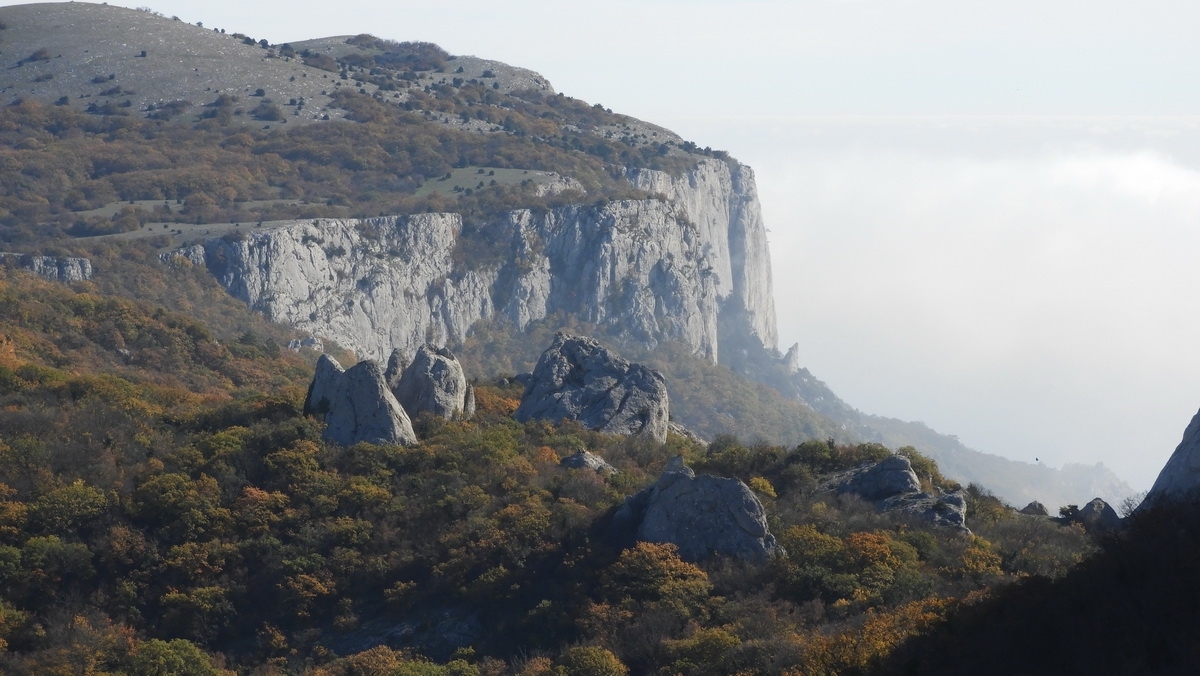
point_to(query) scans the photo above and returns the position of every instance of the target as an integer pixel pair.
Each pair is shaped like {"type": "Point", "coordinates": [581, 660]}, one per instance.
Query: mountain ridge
{"type": "Point", "coordinates": [377, 82]}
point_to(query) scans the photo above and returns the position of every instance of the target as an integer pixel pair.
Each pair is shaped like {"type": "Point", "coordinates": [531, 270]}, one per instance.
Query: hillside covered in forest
{"type": "Point", "coordinates": [203, 227]}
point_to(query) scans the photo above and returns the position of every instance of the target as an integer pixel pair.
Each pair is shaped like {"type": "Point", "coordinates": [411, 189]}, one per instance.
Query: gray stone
{"type": "Point", "coordinates": [701, 515]}
{"type": "Point", "coordinates": [889, 477]}
{"type": "Point", "coordinates": [893, 486]}
{"type": "Point", "coordinates": [307, 343]}
{"type": "Point", "coordinates": [469, 402]}
{"type": "Point", "coordinates": [587, 460]}
{"type": "Point", "coordinates": [577, 379]}
{"type": "Point", "coordinates": [1035, 508]}
{"type": "Point", "coordinates": [433, 382]}
{"type": "Point", "coordinates": [1098, 516]}
{"type": "Point", "coordinates": [1180, 478]}
{"type": "Point", "coordinates": [395, 368]}
{"type": "Point", "coordinates": [947, 510]}
{"type": "Point", "coordinates": [53, 268]}
{"type": "Point", "coordinates": [356, 405]}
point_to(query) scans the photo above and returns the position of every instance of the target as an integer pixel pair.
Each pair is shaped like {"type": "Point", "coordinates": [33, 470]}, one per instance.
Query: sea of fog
{"type": "Point", "coordinates": [1027, 284]}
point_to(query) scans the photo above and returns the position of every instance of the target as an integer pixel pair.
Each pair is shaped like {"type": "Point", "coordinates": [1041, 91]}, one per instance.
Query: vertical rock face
{"type": "Point", "coordinates": [1180, 477]}
{"type": "Point", "coordinates": [652, 269]}
{"type": "Point", "coordinates": [54, 269]}
{"type": "Point", "coordinates": [702, 515]}
{"type": "Point", "coordinates": [722, 200]}
{"type": "Point", "coordinates": [577, 379]}
{"type": "Point", "coordinates": [356, 405]}
{"type": "Point", "coordinates": [433, 382]}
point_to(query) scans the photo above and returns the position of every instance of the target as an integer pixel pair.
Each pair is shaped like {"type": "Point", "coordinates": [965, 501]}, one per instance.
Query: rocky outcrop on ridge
{"type": "Point", "coordinates": [948, 510]}
{"type": "Point", "coordinates": [578, 379]}
{"type": "Point", "coordinates": [1180, 477]}
{"type": "Point", "coordinates": [1097, 516]}
{"type": "Point", "coordinates": [356, 405]}
{"type": "Point", "coordinates": [701, 515]}
{"type": "Point", "coordinates": [52, 268]}
{"type": "Point", "coordinates": [652, 269]}
{"type": "Point", "coordinates": [893, 486]}
{"type": "Point", "coordinates": [887, 478]}
{"type": "Point", "coordinates": [433, 382]}
{"type": "Point", "coordinates": [588, 460]}
{"type": "Point", "coordinates": [1035, 508]}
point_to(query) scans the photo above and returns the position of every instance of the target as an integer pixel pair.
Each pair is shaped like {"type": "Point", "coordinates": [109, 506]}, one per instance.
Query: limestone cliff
{"type": "Point", "coordinates": [721, 199]}
{"type": "Point", "coordinates": [655, 269]}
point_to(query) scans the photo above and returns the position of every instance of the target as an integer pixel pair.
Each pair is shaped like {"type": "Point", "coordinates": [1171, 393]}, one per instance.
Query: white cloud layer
{"type": "Point", "coordinates": [1036, 302]}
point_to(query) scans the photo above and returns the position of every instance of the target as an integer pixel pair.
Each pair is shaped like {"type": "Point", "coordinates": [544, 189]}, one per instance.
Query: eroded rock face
{"type": "Point", "coordinates": [888, 477]}
{"type": "Point", "coordinates": [578, 379]}
{"type": "Point", "coordinates": [356, 405]}
{"type": "Point", "coordinates": [655, 270]}
{"type": "Point", "coordinates": [433, 382]}
{"type": "Point", "coordinates": [1180, 477]}
{"type": "Point", "coordinates": [53, 268]}
{"type": "Point", "coordinates": [892, 484]}
{"type": "Point", "coordinates": [702, 515]}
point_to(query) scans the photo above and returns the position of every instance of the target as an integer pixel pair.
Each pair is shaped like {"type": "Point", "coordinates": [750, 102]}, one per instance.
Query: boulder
{"type": "Point", "coordinates": [1098, 516]}
{"type": "Point", "coordinates": [1035, 508]}
{"type": "Point", "coordinates": [893, 486]}
{"type": "Point", "coordinates": [889, 477]}
{"type": "Point", "coordinates": [702, 515]}
{"type": "Point", "coordinates": [948, 510]}
{"type": "Point", "coordinates": [577, 379]}
{"type": "Point", "coordinates": [586, 460]}
{"type": "Point", "coordinates": [433, 382]}
{"type": "Point", "coordinates": [356, 405]}
{"type": "Point", "coordinates": [1180, 477]}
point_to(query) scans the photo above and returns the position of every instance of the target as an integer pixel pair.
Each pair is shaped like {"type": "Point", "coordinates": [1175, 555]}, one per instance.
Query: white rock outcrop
{"type": "Point", "coordinates": [53, 268]}
{"type": "Point", "coordinates": [433, 382]}
{"type": "Point", "coordinates": [1180, 477]}
{"type": "Point", "coordinates": [356, 405]}
{"type": "Point", "coordinates": [652, 269]}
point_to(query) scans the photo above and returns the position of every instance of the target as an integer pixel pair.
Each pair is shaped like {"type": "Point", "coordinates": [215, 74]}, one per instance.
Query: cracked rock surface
{"type": "Point", "coordinates": [578, 379]}
{"type": "Point", "coordinates": [701, 515]}
{"type": "Point", "coordinates": [356, 405]}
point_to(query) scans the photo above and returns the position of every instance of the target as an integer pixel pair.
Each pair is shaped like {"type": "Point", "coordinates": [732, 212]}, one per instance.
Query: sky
{"type": "Point", "coordinates": [982, 216]}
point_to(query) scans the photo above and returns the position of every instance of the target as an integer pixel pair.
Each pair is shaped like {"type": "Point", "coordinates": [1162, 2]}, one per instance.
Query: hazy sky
{"type": "Point", "coordinates": [983, 216]}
